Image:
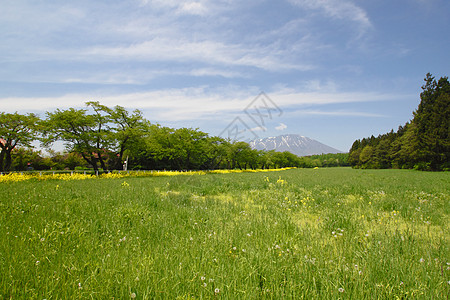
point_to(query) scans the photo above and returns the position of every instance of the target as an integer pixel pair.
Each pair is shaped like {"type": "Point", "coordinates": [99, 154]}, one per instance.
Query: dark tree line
{"type": "Point", "coordinates": [99, 137]}
{"type": "Point", "coordinates": [423, 143]}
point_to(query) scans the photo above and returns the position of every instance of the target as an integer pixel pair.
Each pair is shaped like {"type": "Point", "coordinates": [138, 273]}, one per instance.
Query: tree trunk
{"type": "Point", "coordinates": [2, 156]}
{"type": "Point", "coordinates": [8, 161]}
{"type": "Point", "coordinates": [102, 162]}
{"type": "Point", "coordinates": [92, 162]}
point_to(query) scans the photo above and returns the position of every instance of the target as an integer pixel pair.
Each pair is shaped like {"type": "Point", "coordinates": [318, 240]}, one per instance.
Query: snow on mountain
{"type": "Point", "coordinates": [294, 143]}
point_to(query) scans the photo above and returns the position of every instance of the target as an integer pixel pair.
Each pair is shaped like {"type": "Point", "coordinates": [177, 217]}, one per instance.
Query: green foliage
{"type": "Point", "coordinates": [16, 130]}
{"type": "Point", "coordinates": [100, 137]}
{"type": "Point", "coordinates": [334, 233]}
{"type": "Point", "coordinates": [107, 137]}
{"type": "Point", "coordinates": [422, 144]}
{"type": "Point", "coordinates": [24, 159]}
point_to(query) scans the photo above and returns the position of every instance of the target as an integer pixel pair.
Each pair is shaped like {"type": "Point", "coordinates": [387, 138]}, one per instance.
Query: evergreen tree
{"type": "Point", "coordinates": [423, 143]}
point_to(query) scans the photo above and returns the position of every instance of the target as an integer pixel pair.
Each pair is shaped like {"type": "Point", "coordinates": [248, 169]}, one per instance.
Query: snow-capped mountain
{"type": "Point", "coordinates": [294, 143]}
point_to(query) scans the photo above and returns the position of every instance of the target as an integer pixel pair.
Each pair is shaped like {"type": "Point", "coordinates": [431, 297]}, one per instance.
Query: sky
{"type": "Point", "coordinates": [331, 70]}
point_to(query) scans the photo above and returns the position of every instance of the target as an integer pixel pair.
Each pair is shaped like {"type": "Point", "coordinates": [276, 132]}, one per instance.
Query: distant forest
{"type": "Point", "coordinates": [422, 143]}
{"type": "Point", "coordinates": [103, 138]}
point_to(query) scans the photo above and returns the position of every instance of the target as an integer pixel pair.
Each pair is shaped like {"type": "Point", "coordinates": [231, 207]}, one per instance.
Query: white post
{"type": "Point", "coordinates": [125, 165]}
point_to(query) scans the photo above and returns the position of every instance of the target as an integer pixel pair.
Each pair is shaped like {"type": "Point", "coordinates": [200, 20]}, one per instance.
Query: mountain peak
{"type": "Point", "coordinates": [294, 143]}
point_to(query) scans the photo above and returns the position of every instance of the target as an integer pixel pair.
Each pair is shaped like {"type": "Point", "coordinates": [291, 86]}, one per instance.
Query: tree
{"type": "Point", "coordinates": [125, 129]}
{"type": "Point", "coordinates": [366, 156]}
{"type": "Point", "coordinates": [16, 130]}
{"type": "Point", "coordinates": [423, 143]}
{"type": "Point", "coordinates": [82, 133]}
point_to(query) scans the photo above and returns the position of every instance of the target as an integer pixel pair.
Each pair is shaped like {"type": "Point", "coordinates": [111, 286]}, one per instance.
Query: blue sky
{"type": "Point", "coordinates": [332, 70]}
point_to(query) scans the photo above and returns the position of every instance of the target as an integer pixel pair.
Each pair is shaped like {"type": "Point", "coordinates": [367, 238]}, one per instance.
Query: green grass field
{"type": "Point", "coordinates": [302, 233]}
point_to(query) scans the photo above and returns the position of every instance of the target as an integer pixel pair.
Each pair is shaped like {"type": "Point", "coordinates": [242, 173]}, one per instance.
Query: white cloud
{"type": "Point", "coordinates": [338, 9]}
{"type": "Point", "coordinates": [206, 51]}
{"type": "Point", "coordinates": [192, 104]}
{"type": "Point", "coordinates": [338, 113]}
{"type": "Point", "coordinates": [194, 8]}
{"type": "Point", "coordinates": [258, 128]}
{"type": "Point", "coordinates": [216, 72]}
{"type": "Point", "coordinates": [281, 127]}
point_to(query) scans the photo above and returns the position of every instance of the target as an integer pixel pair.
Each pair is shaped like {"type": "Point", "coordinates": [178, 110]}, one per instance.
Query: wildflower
{"type": "Point", "coordinates": [204, 284]}
{"type": "Point", "coordinates": [341, 290]}
{"type": "Point", "coordinates": [211, 280]}
{"type": "Point", "coordinates": [216, 291]}
{"type": "Point", "coordinates": [421, 260]}
{"type": "Point", "coordinates": [281, 181]}
{"type": "Point", "coordinates": [125, 184]}
{"type": "Point", "coordinates": [202, 278]}
{"type": "Point", "coordinates": [37, 262]}
{"type": "Point", "coordinates": [42, 239]}
{"type": "Point", "coordinates": [243, 250]}
{"type": "Point", "coordinates": [79, 285]}
{"type": "Point", "coordinates": [133, 295]}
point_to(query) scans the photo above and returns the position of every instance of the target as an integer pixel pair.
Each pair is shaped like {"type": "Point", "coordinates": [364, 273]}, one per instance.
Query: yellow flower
{"type": "Point", "coordinates": [125, 184]}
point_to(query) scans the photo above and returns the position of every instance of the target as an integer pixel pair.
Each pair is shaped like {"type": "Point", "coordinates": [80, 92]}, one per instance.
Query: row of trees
{"type": "Point", "coordinates": [100, 137]}
{"type": "Point", "coordinates": [423, 143]}
{"type": "Point", "coordinates": [25, 159]}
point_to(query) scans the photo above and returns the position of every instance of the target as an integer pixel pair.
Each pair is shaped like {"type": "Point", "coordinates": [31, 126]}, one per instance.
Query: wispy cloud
{"type": "Point", "coordinates": [337, 113]}
{"type": "Point", "coordinates": [281, 127]}
{"type": "Point", "coordinates": [199, 103]}
{"type": "Point", "coordinates": [208, 51]}
{"type": "Point", "coordinates": [338, 9]}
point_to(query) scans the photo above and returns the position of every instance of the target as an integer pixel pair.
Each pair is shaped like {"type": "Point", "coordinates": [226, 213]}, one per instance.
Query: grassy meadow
{"type": "Point", "coordinates": [334, 233]}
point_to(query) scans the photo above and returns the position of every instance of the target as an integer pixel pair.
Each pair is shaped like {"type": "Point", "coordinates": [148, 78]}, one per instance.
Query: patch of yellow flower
{"type": "Point", "coordinates": [16, 177]}
{"type": "Point", "coordinates": [247, 171]}
{"type": "Point", "coordinates": [125, 184]}
{"type": "Point", "coordinates": [281, 181]}
{"type": "Point", "coordinates": [13, 177]}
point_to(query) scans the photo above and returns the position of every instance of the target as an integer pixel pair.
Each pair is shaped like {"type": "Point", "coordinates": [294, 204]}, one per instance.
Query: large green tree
{"type": "Point", "coordinates": [124, 129]}
{"type": "Point", "coordinates": [101, 135]}
{"type": "Point", "coordinates": [83, 133]}
{"type": "Point", "coordinates": [16, 130]}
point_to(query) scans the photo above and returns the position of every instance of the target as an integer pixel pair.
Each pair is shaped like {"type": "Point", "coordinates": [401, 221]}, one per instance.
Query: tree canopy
{"type": "Point", "coordinates": [100, 137]}
{"type": "Point", "coordinates": [15, 130]}
{"type": "Point", "coordinates": [423, 143]}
